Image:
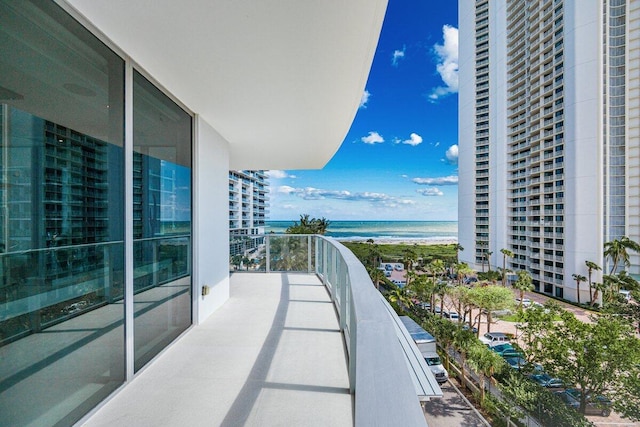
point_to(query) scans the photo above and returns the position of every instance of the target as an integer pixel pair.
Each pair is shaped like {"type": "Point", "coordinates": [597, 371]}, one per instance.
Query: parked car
{"type": "Point", "coordinates": [526, 302]}
{"type": "Point", "coordinates": [516, 362]}
{"type": "Point", "coordinates": [546, 380]}
{"type": "Point", "coordinates": [499, 348]}
{"type": "Point", "coordinates": [512, 353]}
{"type": "Point", "coordinates": [599, 405]}
{"type": "Point", "coordinates": [453, 315]}
{"type": "Point", "coordinates": [494, 338]}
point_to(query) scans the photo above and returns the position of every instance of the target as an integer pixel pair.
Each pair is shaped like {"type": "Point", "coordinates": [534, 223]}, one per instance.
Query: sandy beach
{"type": "Point", "coordinates": [403, 241]}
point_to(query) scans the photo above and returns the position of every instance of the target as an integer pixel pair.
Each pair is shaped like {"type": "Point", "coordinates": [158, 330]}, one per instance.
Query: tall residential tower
{"type": "Point", "coordinates": [248, 209]}
{"type": "Point", "coordinates": [549, 135]}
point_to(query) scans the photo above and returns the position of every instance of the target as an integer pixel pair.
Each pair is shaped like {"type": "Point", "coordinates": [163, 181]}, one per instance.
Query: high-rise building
{"type": "Point", "coordinates": [549, 131]}
{"type": "Point", "coordinates": [248, 209]}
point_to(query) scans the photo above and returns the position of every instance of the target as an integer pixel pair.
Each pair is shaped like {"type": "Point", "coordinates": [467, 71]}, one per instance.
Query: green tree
{"type": "Point", "coordinates": [463, 341]}
{"type": "Point", "coordinates": [377, 277]}
{"type": "Point", "coordinates": [599, 287]}
{"type": "Point", "coordinates": [617, 251]}
{"type": "Point", "coordinates": [400, 298]}
{"type": "Point", "coordinates": [374, 254]}
{"type": "Point", "coordinates": [533, 323]}
{"type": "Point", "coordinates": [505, 253]}
{"type": "Point", "coordinates": [462, 270]}
{"type": "Point", "coordinates": [409, 258]}
{"type": "Point", "coordinates": [491, 298]}
{"type": "Point", "coordinates": [441, 290]}
{"type": "Point", "coordinates": [488, 255]}
{"type": "Point", "coordinates": [486, 363]}
{"type": "Point", "coordinates": [523, 284]}
{"type": "Point", "coordinates": [591, 267]}
{"type": "Point", "coordinates": [308, 225]}
{"type": "Point", "coordinates": [422, 287]}
{"type": "Point", "coordinates": [598, 357]}
{"type": "Point", "coordinates": [578, 278]}
{"type": "Point", "coordinates": [236, 261]}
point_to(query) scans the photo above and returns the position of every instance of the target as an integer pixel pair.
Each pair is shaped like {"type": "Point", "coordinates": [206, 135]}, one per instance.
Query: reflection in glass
{"type": "Point", "coordinates": [162, 220]}
{"type": "Point", "coordinates": [61, 217]}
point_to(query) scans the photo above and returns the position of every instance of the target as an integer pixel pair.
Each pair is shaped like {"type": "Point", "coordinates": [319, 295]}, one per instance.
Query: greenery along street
{"type": "Point", "coordinates": [600, 357]}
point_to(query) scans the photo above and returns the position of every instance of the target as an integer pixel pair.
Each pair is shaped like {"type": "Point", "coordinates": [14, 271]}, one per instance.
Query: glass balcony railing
{"type": "Point", "coordinates": [381, 362]}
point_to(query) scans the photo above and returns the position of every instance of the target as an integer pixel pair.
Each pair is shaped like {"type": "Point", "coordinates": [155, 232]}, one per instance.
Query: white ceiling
{"type": "Point", "coordinates": [281, 80]}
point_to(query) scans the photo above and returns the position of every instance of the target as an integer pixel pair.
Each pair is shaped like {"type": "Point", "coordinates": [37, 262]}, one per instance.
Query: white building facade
{"type": "Point", "coordinates": [248, 209]}
{"type": "Point", "coordinates": [549, 135]}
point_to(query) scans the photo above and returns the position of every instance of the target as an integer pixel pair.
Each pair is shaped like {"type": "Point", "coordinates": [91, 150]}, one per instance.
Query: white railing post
{"type": "Point", "coordinates": [267, 264]}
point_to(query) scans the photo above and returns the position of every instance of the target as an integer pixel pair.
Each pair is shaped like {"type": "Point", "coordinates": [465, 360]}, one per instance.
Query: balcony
{"type": "Point", "coordinates": [314, 344]}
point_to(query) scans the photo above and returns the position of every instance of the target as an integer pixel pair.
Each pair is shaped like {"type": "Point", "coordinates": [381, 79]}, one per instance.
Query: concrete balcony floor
{"type": "Point", "coordinates": [271, 355]}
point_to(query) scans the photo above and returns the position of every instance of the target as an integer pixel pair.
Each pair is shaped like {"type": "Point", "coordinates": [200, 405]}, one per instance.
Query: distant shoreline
{"type": "Point", "coordinates": [401, 241]}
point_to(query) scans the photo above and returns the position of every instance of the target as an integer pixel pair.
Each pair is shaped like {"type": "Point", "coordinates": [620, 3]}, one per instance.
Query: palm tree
{"type": "Point", "coordinates": [487, 255]}
{"type": "Point", "coordinates": [463, 342]}
{"type": "Point", "coordinates": [400, 297]}
{"type": "Point", "coordinates": [599, 287]}
{"type": "Point", "coordinates": [591, 266]}
{"type": "Point", "coordinates": [441, 291]}
{"type": "Point", "coordinates": [523, 284]}
{"type": "Point", "coordinates": [617, 251]}
{"type": "Point", "coordinates": [486, 363]}
{"type": "Point", "coordinates": [374, 254]}
{"type": "Point", "coordinates": [505, 253]}
{"type": "Point", "coordinates": [377, 277]}
{"type": "Point", "coordinates": [462, 269]}
{"type": "Point", "coordinates": [409, 258]}
{"type": "Point", "coordinates": [578, 278]}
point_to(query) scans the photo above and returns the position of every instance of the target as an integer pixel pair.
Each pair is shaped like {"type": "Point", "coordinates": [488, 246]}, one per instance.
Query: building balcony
{"type": "Point", "coordinates": [312, 344]}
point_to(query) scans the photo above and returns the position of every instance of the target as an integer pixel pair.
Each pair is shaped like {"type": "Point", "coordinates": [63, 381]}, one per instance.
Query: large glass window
{"type": "Point", "coordinates": [61, 217]}
{"type": "Point", "coordinates": [162, 219]}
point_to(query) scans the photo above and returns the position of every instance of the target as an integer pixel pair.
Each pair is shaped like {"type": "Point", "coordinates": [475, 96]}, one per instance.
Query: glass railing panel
{"type": "Point", "coordinates": [162, 288]}
{"type": "Point", "coordinates": [61, 331]}
{"type": "Point", "coordinates": [289, 253]}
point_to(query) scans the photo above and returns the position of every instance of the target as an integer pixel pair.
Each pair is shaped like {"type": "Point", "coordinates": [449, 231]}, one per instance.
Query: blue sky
{"type": "Point", "coordinates": [399, 159]}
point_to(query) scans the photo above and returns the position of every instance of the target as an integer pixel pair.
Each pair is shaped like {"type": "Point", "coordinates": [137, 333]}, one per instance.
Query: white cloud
{"type": "Point", "coordinates": [452, 154]}
{"type": "Point", "coordinates": [414, 139]}
{"type": "Point", "coordinates": [279, 174]}
{"type": "Point", "coordinates": [430, 191]}
{"type": "Point", "coordinates": [364, 99]}
{"type": "Point", "coordinates": [447, 67]}
{"type": "Point", "coordinates": [311, 193]}
{"type": "Point", "coordinates": [397, 54]}
{"type": "Point", "coordinates": [436, 144]}
{"type": "Point", "coordinates": [372, 138]}
{"type": "Point", "coordinates": [443, 180]}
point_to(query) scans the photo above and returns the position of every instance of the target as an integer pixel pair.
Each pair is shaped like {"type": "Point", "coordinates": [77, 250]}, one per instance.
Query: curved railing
{"type": "Point", "coordinates": [381, 376]}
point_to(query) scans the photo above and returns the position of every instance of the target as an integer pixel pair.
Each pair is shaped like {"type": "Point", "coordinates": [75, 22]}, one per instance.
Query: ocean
{"type": "Point", "coordinates": [384, 231]}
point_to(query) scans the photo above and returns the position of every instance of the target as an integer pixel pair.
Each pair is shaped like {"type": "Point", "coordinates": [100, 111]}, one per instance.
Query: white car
{"type": "Point", "coordinates": [453, 315]}
{"type": "Point", "coordinates": [526, 302]}
{"type": "Point", "coordinates": [491, 339]}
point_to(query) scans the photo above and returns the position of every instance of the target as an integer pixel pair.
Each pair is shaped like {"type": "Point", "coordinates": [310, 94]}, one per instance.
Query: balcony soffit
{"type": "Point", "coordinates": [281, 81]}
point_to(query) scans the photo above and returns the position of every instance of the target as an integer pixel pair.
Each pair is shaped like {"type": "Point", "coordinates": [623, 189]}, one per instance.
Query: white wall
{"type": "Point", "coordinates": [466, 132]}
{"type": "Point", "coordinates": [583, 144]}
{"type": "Point", "coordinates": [211, 220]}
